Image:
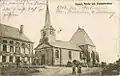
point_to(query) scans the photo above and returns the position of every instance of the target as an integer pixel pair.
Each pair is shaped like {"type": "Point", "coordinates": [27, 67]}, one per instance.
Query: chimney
{"type": "Point", "coordinates": [21, 29]}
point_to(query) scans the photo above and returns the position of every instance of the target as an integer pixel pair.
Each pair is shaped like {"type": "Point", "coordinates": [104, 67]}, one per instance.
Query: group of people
{"type": "Point", "coordinates": [76, 68]}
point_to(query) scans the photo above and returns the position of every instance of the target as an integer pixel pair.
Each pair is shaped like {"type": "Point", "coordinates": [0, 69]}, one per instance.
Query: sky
{"type": "Point", "coordinates": [102, 29]}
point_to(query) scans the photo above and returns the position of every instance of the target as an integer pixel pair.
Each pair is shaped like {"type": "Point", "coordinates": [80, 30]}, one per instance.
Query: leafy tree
{"type": "Point", "coordinates": [112, 68]}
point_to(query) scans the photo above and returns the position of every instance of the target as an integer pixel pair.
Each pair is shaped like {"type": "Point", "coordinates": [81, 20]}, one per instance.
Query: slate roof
{"type": "Point", "coordinates": [80, 37]}
{"type": "Point", "coordinates": [12, 32]}
{"type": "Point", "coordinates": [65, 44]}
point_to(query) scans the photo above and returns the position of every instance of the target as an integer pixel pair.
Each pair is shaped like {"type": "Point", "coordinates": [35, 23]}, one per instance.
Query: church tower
{"type": "Point", "coordinates": [48, 31]}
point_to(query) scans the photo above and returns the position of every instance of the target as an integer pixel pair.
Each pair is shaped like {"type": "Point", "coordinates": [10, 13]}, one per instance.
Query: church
{"type": "Point", "coordinates": [54, 52]}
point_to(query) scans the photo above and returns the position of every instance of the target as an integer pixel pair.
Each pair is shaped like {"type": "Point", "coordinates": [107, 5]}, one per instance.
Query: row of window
{"type": "Point", "coordinates": [17, 49]}
{"type": "Point", "coordinates": [4, 58]}
{"type": "Point", "coordinates": [69, 54]}
{"type": "Point", "coordinates": [57, 54]}
{"type": "Point", "coordinates": [16, 43]}
{"type": "Point", "coordinates": [44, 33]}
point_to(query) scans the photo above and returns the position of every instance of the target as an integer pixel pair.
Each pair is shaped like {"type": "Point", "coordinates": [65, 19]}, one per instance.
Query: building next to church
{"type": "Point", "coordinates": [14, 45]}
{"type": "Point", "coordinates": [50, 51]}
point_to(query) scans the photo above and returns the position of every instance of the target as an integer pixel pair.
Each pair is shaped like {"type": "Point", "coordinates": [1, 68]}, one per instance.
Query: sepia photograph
{"type": "Point", "coordinates": [59, 37]}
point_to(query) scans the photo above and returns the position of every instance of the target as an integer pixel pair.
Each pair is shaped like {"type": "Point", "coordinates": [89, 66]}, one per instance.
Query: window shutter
{"type": "Point", "coordinates": [1, 47]}
{"type": "Point", "coordinates": [22, 50]}
{"type": "Point", "coordinates": [8, 48]}
{"type": "Point", "coordinates": [0, 58]}
{"type": "Point", "coordinates": [7, 58]}
{"type": "Point", "coordinates": [13, 59]}
{"type": "Point", "coordinates": [13, 49]}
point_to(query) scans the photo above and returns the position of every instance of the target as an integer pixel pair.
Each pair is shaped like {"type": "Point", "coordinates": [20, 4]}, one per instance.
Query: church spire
{"type": "Point", "coordinates": [47, 16]}
{"type": "Point", "coordinates": [48, 31]}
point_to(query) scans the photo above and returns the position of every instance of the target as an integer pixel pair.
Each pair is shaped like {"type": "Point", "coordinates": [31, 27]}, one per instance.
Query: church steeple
{"type": "Point", "coordinates": [48, 31]}
{"type": "Point", "coordinates": [47, 16]}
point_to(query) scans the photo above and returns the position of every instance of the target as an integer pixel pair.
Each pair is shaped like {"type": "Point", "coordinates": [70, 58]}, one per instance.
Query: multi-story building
{"type": "Point", "coordinates": [14, 45]}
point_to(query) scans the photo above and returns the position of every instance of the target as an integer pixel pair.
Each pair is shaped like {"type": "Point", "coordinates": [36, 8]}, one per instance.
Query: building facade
{"type": "Point", "coordinates": [57, 52]}
{"type": "Point", "coordinates": [14, 45]}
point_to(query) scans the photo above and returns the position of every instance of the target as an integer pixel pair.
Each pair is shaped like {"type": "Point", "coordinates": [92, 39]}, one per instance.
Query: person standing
{"type": "Point", "coordinates": [79, 71]}
{"type": "Point", "coordinates": [74, 67]}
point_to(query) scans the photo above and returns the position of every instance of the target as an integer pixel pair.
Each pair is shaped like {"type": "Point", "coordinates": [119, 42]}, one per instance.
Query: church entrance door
{"type": "Point", "coordinates": [42, 59]}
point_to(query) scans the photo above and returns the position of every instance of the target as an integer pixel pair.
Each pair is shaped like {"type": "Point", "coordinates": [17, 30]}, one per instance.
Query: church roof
{"type": "Point", "coordinates": [80, 37]}
{"type": "Point", "coordinates": [60, 44]}
{"type": "Point", "coordinates": [48, 24]}
{"type": "Point", "coordinates": [47, 16]}
{"type": "Point", "coordinates": [65, 44]}
{"type": "Point", "coordinates": [12, 32]}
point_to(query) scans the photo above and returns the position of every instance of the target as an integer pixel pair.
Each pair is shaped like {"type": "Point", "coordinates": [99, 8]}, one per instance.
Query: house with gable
{"type": "Point", "coordinates": [14, 45]}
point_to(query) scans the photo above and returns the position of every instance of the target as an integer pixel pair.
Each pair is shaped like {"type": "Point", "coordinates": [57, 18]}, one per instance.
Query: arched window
{"type": "Point", "coordinates": [57, 53]}
{"type": "Point", "coordinates": [3, 58]}
{"type": "Point", "coordinates": [81, 55]}
{"type": "Point", "coordinates": [5, 45]}
{"type": "Point", "coordinates": [11, 59]}
{"type": "Point", "coordinates": [44, 34]}
{"type": "Point", "coordinates": [17, 48]}
{"type": "Point", "coordinates": [23, 48]}
{"type": "Point", "coordinates": [11, 46]}
{"type": "Point", "coordinates": [51, 32]}
{"type": "Point", "coordinates": [70, 55]}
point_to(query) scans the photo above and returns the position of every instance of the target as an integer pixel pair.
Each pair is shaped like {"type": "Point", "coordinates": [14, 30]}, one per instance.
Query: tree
{"type": "Point", "coordinates": [112, 68]}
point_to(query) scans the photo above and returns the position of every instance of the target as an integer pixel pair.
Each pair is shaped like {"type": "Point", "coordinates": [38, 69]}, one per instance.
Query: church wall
{"type": "Point", "coordinates": [75, 55]}
{"type": "Point", "coordinates": [47, 52]}
{"type": "Point", "coordinates": [51, 38]}
{"type": "Point", "coordinates": [49, 56]}
{"type": "Point", "coordinates": [56, 59]}
{"type": "Point", "coordinates": [65, 56]}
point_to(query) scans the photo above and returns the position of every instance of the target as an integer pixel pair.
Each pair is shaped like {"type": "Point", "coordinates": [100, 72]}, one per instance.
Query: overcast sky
{"type": "Point", "coordinates": [101, 29]}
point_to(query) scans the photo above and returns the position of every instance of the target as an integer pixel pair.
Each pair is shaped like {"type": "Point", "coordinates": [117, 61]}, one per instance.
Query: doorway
{"type": "Point", "coordinates": [42, 59]}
